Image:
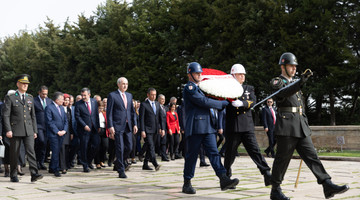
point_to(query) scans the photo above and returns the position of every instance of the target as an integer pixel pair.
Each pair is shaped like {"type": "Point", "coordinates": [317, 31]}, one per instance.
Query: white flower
{"type": "Point", "coordinates": [224, 86]}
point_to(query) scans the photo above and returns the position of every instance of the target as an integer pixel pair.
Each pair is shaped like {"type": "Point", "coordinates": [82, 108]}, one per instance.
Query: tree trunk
{"type": "Point", "coordinates": [332, 108]}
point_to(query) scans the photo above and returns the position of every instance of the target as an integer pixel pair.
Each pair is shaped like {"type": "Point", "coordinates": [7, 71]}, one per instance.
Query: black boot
{"type": "Point", "coordinates": [276, 194]}
{"type": "Point", "coordinates": [7, 170]}
{"type": "Point", "coordinates": [187, 187]}
{"type": "Point", "coordinates": [267, 178]}
{"type": "Point", "coordinates": [227, 183]}
{"type": "Point", "coordinates": [330, 189]}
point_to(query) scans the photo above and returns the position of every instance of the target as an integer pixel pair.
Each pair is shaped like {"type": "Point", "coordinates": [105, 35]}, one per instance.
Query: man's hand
{"type": "Point", "coordinates": [170, 132]}
{"type": "Point", "coordinates": [266, 130]}
{"type": "Point", "coordinates": [35, 135]}
{"type": "Point", "coordinates": [71, 136]}
{"type": "Point", "coordinates": [87, 128]}
{"type": "Point", "coordinates": [112, 130]}
{"type": "Point", "coordinates": [220, 131]}
{"type": "Point", "coordinates": [135, 130]}
{"type": "Point", "coordinates": [143, 134]}
{"type": "Point", "coordinates": [9, 134]}
{"type": "Point", "coordinates": [162, 133]}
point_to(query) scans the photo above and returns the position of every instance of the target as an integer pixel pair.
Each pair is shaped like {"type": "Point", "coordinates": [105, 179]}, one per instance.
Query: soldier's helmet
{"type": "Point", "coordinates": [238, 69]}
{"type": "Point", "coordinates": [288, 58]}
{"type": "Point", "coordinates": [194, 67]}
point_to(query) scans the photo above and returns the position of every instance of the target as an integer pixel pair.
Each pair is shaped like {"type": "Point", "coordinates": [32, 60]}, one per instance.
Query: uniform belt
{"type": "Point", "coordinates": [289, 109]}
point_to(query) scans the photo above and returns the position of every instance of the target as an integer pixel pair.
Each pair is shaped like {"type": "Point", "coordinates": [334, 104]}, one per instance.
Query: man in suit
{"type": "Point", "coordinates": [87, 118]}
{"type": "Point", "coordinates": [56, 127]}
{"type": "Point", "coordinates": [268, 114]}
{"type": "Point", "coordinates": [150, 126]}
{"type": "Point", "coordinates": [121, 121]}
{"type": "Point", "coordinates": [20, 125]}
{"type": "Point", "coordinates": [292, 131]}
{"type": "Point", "coordinates": [40, 103]}
{"type": "Point", "coordinates": [240, 127]}
{"type": "Point", "coordinates": [161, 140]}
{"type": "Point", "coordinates": [199, 130]}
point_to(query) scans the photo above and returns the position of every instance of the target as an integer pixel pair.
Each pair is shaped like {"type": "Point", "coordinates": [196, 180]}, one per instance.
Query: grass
{"type": "Point", "coordinates": [321, 152]}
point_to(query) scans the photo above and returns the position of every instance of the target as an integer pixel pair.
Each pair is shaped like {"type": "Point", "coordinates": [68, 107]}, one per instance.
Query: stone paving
{"type": "Point", "coordinates": [167, 183]}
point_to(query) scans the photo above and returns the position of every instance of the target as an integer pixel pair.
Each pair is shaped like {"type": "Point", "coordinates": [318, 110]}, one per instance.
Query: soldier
{"type": "Point", "coordinates": [292, 131]}
{"type": "Point", "coordinates": [20, 125]}
{"type": "Point", "coordinates": [199, 131]}
{"type": "Point", "coordinates": [240, 127]}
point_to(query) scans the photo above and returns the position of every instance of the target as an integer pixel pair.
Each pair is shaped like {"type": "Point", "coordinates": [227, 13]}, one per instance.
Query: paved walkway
{"type": "Point", "coordinates": [167, 183]}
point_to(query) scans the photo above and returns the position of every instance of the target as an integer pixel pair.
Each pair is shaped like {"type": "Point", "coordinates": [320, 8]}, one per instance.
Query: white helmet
{"type": "Point", "coordinates": [237, 69]}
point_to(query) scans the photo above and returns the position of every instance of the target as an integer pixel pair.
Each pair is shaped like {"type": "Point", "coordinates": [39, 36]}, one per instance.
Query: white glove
{"type": "Point", "coordinates": [237, 103]}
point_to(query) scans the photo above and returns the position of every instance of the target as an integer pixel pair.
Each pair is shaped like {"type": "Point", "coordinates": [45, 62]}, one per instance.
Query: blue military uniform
{"type": "Point", "coordinates": [199, 130]}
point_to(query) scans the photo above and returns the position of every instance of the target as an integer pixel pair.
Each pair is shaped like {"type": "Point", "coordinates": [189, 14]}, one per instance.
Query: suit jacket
{"type": "Point", "coordinates": [150, 122]}
{"type": "Point", "coordinates": [290, 123]}
{"type": "Point", "coordinates": [69, 131]}
{"type": "Point", "coordinates": [163, 111]}
{"type": "Point", "coordinates": [54, 121]}
{"type": "Point", "coordinates": [197, 110]}
{"type": "Point", "coordinates": [268, 118]}
{"type": "Point", "coordinates": [116, 114]}
{"type": "Point", "coordinates": [84, 118]}
{"type": "Point", "coordinates": [19, 117]}
{"type": "Point", "coordinates": [172, 122]}
{"type": "Point", "coordinates": [240, 119]}
{"type": "Point", "coordinates": [40, 112]}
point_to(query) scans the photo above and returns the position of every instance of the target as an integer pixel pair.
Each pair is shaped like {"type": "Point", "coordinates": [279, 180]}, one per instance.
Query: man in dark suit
{"type": "Point", "coordinates": [268, 114]}
{"type": "Point", "coordinates": [199, 130]}
{"type": "Point", "coordinates": [56, 127]}
{"type": "Point", "coordinates": [240, 127]}
{"type": "Point", "coordinates": [40, 103]}
{"type": "Point", "coordinates": [87, 118]}
{"type": "Point", "coordinates": [121, 121]}
{"type": "Point", "coordinates": [20, 125]}
{"type": "Point", "coordinates": [292, 131]}
{"type": "Point", "coordinates": [162, 138]}
{"type": "Point", "coordinates": [150, 125]}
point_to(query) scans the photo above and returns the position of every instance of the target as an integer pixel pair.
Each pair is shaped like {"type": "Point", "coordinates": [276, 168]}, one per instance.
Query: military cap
{"type": "Point", "coordinates": [23, 78]}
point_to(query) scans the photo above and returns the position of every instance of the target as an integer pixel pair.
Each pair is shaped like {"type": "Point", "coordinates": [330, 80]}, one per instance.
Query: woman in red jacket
{"type": "Point", "coordinates": [172, 121]}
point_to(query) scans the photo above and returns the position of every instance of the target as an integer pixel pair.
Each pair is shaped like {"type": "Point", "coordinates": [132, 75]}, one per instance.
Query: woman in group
{"type": "Point", "coordinates": [65, 149]}
{"type": "Point", "coordinates": [104, 137]}
{"type": "Point", "coordinates": [172, 121]}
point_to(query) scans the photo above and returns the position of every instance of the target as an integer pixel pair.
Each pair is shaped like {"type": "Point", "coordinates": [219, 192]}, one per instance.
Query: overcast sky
{"type": "Point", "coordinates": [16, 15]}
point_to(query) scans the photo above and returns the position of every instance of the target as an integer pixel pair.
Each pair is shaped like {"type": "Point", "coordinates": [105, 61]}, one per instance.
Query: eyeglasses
{"type": "Point", "coordinates": [269, 101]}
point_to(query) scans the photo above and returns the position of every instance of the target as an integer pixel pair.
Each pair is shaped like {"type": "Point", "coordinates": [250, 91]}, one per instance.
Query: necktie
{"type": "Point", "coordinates": [44, 103]}
{"type": "Point", "coordinates": [23, 98]}
{"type": "Point", "coordinates": [125, 100]}
{"type": "Point", "coordinates": [88, 107]}
{"type": "Point", "coordinates": [58, 107]}
{"type": "Point", "coordinates": [154, 108]}
{"type": "Point", "coordinates": [273, 115]}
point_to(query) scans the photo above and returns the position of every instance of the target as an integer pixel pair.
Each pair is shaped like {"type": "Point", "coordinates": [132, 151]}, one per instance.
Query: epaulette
{"type": "Point", "coordinates": [190, 86]}
{"type": "Point", "coordinates": [277, 83]}
{"type": "Point", "coordinates": [29, 95]}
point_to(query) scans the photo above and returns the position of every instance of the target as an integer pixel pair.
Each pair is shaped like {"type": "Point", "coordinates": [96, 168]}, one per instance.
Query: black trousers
{"type": "Point", "coordinates": [150, 149]}
{"type": "Point", "coordinates": [285, 149]}
{"type": "Point", "coordinates": [249, 141]}
{"type": "Point", "coordinates": [272, 142]}
{"type": "Point", "coordinates": [174, 140]}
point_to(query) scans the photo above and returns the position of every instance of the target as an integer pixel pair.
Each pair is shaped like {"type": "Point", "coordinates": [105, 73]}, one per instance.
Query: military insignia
{"type": "Point", "coordinates": [247, 94]}
{"type": "Point", "coordinates": [16, 101]}
{"type": "Point", "coordinates": [283, 60]}
{"type": "Point", "coordinates": [190, 87]}
{"type": "Point", "coordinates": [29, 102]}
{"type": "Point", "coordinates": [275, 82]}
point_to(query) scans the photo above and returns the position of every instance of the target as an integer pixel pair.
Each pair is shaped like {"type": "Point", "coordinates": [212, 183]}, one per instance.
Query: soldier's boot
{"type": "Point", "coordinates": [276, 193]}
{"type": "Point", "coordinates": [330, 189]}
{"type": "Point", "coordinates": [227, 183]}
{"type": "Point", "coordinates": [187, 187]}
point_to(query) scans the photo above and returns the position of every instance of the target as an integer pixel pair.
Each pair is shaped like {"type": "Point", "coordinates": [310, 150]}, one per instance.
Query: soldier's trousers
{"type": "Point", "coordinates": [15, 143]}
{"type": "Point", "coordinates": [285, 149]}
{"type": "Point", "coordinates": [209, 144]}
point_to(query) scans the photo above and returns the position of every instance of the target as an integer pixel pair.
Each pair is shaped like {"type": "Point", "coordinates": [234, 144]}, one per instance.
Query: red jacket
{"type": "Point", "coordinates": [172, 124]}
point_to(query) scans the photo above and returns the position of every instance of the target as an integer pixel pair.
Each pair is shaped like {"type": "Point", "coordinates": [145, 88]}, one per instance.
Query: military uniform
{"type": "Point", "coordinates": [19, 117]}
{"type": "Point", "coordinates": [199, 130]}
{"type": "Point", "coordinates": [240, 129]}
{"type": "Point", "coordinates": [292, 132]}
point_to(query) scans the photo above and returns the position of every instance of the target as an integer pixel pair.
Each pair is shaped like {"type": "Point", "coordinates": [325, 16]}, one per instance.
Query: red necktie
{"type": "Point", "coordinates": [88, 107]}
{"type": "Point", "coordinates": [273, 114]}
{"type": "Point", "coordinates": [125, 100]}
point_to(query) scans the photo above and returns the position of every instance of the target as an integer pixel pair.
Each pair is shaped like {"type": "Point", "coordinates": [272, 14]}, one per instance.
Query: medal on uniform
{"type": "Point", "coordinates": [300, 110]}
{"type": "Point", "coordinates": [247, 94]}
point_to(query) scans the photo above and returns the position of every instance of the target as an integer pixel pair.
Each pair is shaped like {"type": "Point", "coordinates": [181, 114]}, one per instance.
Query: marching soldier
{"type": "Point", "coordinates": [199, 131]}
{"type": "Point", "coordinates": [292, 131]}
{"type": "Point", "coordinates": [20, 125]}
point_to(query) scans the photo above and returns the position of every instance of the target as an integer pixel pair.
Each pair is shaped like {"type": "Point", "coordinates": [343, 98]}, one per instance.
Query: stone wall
{"type": "Point", "coordinates": [323, 136]}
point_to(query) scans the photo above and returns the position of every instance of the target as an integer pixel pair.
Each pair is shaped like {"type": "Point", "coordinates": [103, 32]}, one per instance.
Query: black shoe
{"type": "Point", "coordinates": [187, 187]}
{"type": "Point", "coordinates": [14, 179]}
{"type": "Point", "coordinates": [36, 177]}
{"type": "Point", "coordinates": [51, 171]}
{"type": "Point", "coordinates": [57, 174]}
{"type": "Point", "coordinates": [91, 166]}
{"type": "Point", "coordinates": [330, 189]}
{"type": "Point", "coordinates": [178, 157]}
{"type": "Point", "coordinates": [122, 175]}
{"type": "Point", "coordinates": [165, 159]}
{"type": "Point", "coordinates": [276, 194]}
{"type": "Point", "coordinates": [267, 178]}
{"type": "Point", "coordinates": [141, 158]}
{"type": "Point", "coordinates": [146, 167]}
{"type": "Point", "coordinates": [86, 170]}
{"type": "Point", "coordinates": [227, 183]}
{"type": "Point", "coordinates": [267, 153]}
{"type": "Point", "coordinates": [157, 167]}
{"type": "Point", "coordinates": [204, 165]}
{"type": "Point", "coordinates": [64, 171]}
{"type": "Point", "coordinates": [7, 174]}
{"type": "Point", "coordinates": [133, 161]}
{"type": "Point", "coordinates": [127, 167]}
{"type": "Point", "coordinates": [109, 163]}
